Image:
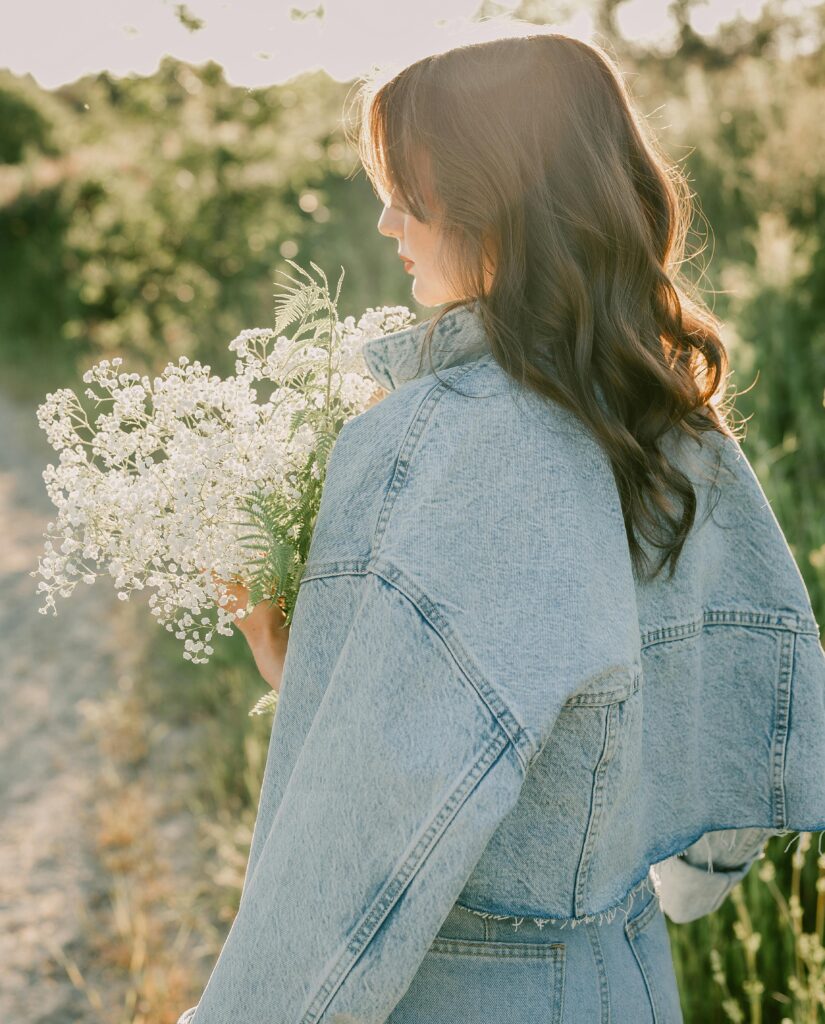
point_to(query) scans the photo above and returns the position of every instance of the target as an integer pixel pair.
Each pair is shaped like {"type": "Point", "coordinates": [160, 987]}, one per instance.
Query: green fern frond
{"type": "Point", "coordinates": [263, 508]}
{"type": "Point", "coordinates": [265, 704]}
{"type": "Point", "coordinates": [321, 274]}
{"type": "Point", "coordinates": [302, 270]}
{"type": "Point", "coordinates": [324, 445]}
{"type": "Point", "coordinates": [279, 529]}
{"type": "Point", "coordinates": [303, 300]}
{"type": "Point", "coordinates": [299, 417]}
{"type": "Point", "coordinates": [295, 304]}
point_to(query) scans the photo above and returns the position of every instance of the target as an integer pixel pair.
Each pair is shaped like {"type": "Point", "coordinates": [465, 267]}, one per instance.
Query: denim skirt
{"type": "Point", "coordinates": [485, 970]}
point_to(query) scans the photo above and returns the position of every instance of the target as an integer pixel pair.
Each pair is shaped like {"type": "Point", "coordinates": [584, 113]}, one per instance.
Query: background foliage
{"type": "Point", "coordinates": [149, 217]}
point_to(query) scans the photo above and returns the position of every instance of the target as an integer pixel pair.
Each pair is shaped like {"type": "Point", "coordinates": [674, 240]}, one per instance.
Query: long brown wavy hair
{"type": "Point", "coordinates": [527, 153]}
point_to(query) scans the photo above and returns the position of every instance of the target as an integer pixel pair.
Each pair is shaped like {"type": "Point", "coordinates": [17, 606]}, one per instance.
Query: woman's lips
{"type": "Point", "coordinates": [407, 264]}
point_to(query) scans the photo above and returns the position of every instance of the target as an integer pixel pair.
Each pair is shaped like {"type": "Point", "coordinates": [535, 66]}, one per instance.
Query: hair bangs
{"type": "Point", "coordinates": [393, 158]}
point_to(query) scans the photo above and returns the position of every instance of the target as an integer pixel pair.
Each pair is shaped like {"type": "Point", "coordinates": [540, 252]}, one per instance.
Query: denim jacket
{"type": "Point", "coordinates": [481, 704]}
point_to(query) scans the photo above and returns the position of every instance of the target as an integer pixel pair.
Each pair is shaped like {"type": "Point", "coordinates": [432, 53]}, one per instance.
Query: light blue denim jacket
{"type": "Point", "coordinates": [481, 705]}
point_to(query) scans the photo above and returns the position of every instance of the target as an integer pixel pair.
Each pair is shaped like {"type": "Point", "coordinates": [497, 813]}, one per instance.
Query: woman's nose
{"type": "Point", "coordinates": [390, 222]}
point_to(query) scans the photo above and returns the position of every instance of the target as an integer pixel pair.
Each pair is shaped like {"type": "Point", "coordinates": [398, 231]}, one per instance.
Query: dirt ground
{"type": "Point", "coordinates": [79, 794]}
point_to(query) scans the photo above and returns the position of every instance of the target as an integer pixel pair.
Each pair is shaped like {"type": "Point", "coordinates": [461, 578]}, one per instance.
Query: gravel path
{"type": "Point", "coordinates": [48, 770]}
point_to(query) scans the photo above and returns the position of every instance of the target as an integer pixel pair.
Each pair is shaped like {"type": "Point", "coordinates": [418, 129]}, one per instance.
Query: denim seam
{"type": "Point", "coordinates": [711, 617]}
{"type": "Point", "coordinates": [634, 925]}
{"type": "Point", "coordinates": [618, 695]}
{"type": "Point", "coordinates": [511, 950]}
{"type": "Point", "coordinates": [730, 617]}
{"type": "Point", "coordinates": [517, 734]}
{"type": "Point", "coordinates": [560, 979]}
{"type": "Point", "coordinates": [596, 806]}
{"type": "Point", "coordinates": [604, 984]}
{"type": "Point", "coordinates": [395, 887]}
{"type": "Point", "coordinates": [632, 930]}
{"type": "Point", "coordinates": [523, 743]}
{"type": "Point", "coordinates": [648, 882]}
{"type": "Point", "coordinates": [416, 429]}
{"type": "Point", "coordinates": [527, 747]}
{"type": "Point", "coordinates": [780, 736]}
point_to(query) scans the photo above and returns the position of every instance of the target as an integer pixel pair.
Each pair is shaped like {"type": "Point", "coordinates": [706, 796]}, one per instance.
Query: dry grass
{"type": "Point", "coordinates": [143, 969]}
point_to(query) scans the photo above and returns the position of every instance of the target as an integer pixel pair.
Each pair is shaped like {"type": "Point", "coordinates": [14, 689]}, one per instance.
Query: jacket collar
{"type": "Point", "coordinates": [459, 337]}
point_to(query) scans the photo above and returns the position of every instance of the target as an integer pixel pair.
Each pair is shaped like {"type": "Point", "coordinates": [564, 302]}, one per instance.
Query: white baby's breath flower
{"type": "Point", "coordinates": [163, 487]}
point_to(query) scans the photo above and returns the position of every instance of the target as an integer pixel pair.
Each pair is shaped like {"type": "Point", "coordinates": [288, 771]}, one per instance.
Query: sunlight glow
{"type": "Point", "coordinates": [256, 41]}
{"type": "Point", "coordinates": [264, 42]}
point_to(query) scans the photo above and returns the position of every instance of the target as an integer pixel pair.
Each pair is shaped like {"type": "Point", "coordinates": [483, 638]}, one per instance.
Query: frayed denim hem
{"type": "Point", "coordinates": [647, 884]}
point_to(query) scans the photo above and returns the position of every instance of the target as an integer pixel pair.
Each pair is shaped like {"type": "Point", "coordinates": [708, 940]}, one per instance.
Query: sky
{"type": "Point", "coordinates": [258, 42]}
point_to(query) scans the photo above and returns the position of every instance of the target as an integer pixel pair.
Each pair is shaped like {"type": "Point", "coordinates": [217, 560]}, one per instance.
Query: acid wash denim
{"type": "Point", "coordinates": [499, 758]}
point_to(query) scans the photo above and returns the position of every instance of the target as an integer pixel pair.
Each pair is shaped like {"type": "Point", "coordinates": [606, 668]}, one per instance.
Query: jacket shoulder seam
{"type": "Point", "coordinates": [515, 733]}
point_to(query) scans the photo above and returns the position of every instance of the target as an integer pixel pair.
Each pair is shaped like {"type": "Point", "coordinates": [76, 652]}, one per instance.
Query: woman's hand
{"type": "Point", "coordinates": [264, 630]}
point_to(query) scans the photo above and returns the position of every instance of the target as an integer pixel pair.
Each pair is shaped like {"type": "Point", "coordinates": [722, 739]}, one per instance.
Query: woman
{"type": "Point", "coordinates": [503, 717]}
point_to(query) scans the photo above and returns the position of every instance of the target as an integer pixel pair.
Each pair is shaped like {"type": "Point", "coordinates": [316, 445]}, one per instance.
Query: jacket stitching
{"type": "Point", "coordinates": [473, 947]}
{"type": "Point", "coordinates": [560, 979]}
{"type": "Point", "coordinates": [596, 805]}
{"type": "Point", "coordinates": [359, 941]}
{"type": "Point", "coordinates": [523, 744]}
{"type": "Point", "coordinates": [783, 698]}
{"type": "Point", "coordinates": [526, 746]}
{"type": "Point", "coordinates": [616, 695]}
{"type": "Point", "coordinates": [711, 616]}
{"type": "Point", "coordinates": [402, 461]}
{"type": "Point", "coordinates": [415, 430]}
{"type": "Point", "coordinates": [521, 740]}
{"type": "Point", "coordinates": [731, 616]}
{"type": "Point", "coordinates": [640, 921]}
{"type": "Point", "coordinates": [519, 735]}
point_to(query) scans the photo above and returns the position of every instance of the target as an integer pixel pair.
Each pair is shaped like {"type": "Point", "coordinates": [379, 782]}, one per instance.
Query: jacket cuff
{"type": "Point", "coordinates": [728, 849]}
{"type": "Point", "coordinates": [697, 883]}
{"type": "Point", "coordinates": [688, 892]}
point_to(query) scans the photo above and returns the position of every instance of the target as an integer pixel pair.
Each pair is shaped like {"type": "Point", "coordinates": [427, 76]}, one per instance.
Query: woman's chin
{"type": "Point", "coordinates": [427, 296]}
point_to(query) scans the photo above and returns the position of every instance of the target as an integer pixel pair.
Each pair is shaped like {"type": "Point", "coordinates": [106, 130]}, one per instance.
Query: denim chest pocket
{"type": "Point", "coordinates": [485, 982]}
{"type": "Point", "coordinates": [649, 939]}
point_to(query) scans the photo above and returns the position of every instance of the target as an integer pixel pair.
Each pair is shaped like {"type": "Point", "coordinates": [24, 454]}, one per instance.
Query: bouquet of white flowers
{"type": "Point", "coordinates": [187, 481]}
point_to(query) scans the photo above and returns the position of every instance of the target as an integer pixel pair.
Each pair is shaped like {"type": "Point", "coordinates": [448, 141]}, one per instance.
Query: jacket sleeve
{"type": "Point", "coordinates": [698, 882]}
{"type": "Point", "coordinates": [404, 775]}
